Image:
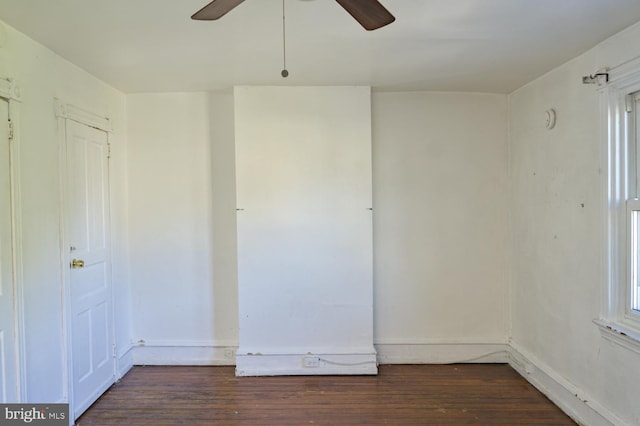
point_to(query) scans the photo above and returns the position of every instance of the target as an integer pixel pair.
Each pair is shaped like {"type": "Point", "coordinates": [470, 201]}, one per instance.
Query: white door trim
{"type": "Point", "coordinates": [65, 111]}
{"type": "Point", "coordinates": [10, 91]}
{"type": "Point", "coordinates": [72, 112]}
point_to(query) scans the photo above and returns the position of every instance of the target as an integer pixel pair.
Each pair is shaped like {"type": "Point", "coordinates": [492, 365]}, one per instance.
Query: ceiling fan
{"type": "Point", "coordinates": [369, 13]}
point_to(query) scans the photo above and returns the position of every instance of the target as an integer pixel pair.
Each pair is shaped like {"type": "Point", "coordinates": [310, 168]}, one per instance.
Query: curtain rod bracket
{"type": "Point", "coordinates": [597, 78]}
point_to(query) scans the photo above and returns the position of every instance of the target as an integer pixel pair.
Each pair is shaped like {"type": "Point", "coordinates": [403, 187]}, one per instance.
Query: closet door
{"type": "Point", "coordinates": [88, 259]}
{"type": "Point", "coordinates": [303, 167]}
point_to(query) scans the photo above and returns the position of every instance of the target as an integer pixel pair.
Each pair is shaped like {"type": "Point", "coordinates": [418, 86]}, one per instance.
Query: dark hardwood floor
{"type": "Point", "coordinates": [483, 394]}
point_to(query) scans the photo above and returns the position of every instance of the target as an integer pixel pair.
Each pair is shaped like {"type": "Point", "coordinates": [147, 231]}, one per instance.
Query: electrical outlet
{"type": "Point", "coordinates": [311, 362]}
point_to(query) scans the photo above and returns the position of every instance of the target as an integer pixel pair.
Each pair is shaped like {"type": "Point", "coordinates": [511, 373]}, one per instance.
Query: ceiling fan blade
{"type": "Point", "coordinates": [215, 10]}
{"type": "Point", "coordinates": [369, 13]}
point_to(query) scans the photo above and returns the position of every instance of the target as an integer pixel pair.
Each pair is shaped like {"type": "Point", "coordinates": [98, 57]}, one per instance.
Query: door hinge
{"type": "Point", "coordinates": [10, 130]}
{"type": "Point", "coordinates": [109, 150]}
{"type": "Point", "coordinates": [115, 353]}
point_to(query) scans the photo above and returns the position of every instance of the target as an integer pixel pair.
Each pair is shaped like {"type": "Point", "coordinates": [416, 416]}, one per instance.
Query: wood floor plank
{"type": "Point", "coordinates": [482, 394]}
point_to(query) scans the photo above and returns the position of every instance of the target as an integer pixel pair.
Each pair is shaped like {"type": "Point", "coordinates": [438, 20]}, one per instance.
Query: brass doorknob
{"type": "Point", "coordinates": [77, 263]}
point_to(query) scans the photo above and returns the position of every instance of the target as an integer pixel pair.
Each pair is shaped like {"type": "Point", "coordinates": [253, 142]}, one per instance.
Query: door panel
{"type": "Point", "coordinates": [90, 282]}
{"type": "Point", "coordinates": [8, 366]}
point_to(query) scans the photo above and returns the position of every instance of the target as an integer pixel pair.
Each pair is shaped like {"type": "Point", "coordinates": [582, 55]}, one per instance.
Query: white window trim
{"type": "Point", "coordinates": [619, 335]}
{"type": "Point", "coordinates": [618, 323]}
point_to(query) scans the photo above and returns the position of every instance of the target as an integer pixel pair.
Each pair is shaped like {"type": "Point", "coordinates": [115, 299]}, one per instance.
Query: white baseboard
{"type": "Point", "coordinates": [572, 400]}
{"type": "Point", "coordinates": [388, 352]}
{"type": "Point", "coordinates": [439, 351]}
{"type": "Point", "coordinates": [306, 364]}
{"type": "Point", "coordinates": [181, 353]}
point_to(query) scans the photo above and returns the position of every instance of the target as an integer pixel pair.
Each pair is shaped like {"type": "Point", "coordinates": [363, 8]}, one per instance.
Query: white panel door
{"type": "Point", "coordinates": [8, 366]}
{"type": "Point", "coordinates": [89, 264]}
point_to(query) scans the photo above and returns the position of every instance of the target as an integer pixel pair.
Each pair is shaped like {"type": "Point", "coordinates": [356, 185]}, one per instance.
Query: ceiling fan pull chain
{"type": "Point", "coordinates": [284, 72]}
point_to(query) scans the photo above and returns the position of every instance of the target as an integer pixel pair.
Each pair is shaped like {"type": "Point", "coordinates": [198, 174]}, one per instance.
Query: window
{"type": "Point", "coordinates": [622, 113]}
{"type": "Point", "coordinates": [632, 300]}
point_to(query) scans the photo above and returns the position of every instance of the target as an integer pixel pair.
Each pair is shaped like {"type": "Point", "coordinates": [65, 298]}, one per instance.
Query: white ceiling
{"type": "Point", "coordinates": [454, 45]}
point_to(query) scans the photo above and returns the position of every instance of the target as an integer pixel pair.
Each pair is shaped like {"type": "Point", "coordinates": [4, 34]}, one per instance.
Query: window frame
{"type": "Point", "coordinates": [620, 131]}
{"type": "Point", "coordinates": [631, 315]}
{"type": "Point", "coordinates": [632, 299]}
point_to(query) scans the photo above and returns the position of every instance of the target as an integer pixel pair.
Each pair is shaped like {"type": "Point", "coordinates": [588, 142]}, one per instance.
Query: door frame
{"type": "Point", "coordinates": [10, 92]}
{"type": "Point", "coordinates": [66, 111]}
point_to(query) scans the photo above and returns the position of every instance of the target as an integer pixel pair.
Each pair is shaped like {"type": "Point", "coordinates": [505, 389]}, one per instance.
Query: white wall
{"type": "Point", "coordinates": [43, 76]}
{"type": "Point", "coordinates": [439, 226]}
{"type": "Point", "coordinates": [182, 201]}
{"type": "Point", "coordinates": [303, 178]}
{"type": "Point", "coordinates": [223, 191]}
{"type": "Point", "coordinates": [171, 229]}
{"type": "Point", "coordinates": [440, 181]}
{"type": "Point", "coordinates": [557, 243]}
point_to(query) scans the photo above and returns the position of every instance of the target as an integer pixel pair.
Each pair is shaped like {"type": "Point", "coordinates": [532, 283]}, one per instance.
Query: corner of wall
{"type": "Point", "coordinates": [570, 399]}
